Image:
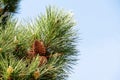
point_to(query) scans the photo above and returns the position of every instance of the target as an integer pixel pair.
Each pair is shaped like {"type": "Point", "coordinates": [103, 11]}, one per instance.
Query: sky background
{"type": "Point", "coordinates": [98, 22]}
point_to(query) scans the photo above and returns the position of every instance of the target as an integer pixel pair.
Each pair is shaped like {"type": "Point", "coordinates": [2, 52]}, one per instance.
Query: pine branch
{"type": "Point", "coordinates": [55, 28]}
{"type": "Point", "coordinates": [7, 9]}
{"type": "Point", "coordinates": [50, 43]}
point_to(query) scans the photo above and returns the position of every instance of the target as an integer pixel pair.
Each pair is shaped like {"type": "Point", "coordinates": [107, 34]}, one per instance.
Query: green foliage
{"type": "Point", "coordinates": [7, 10]}
{"type": "Point", "coordinates": [11, 5]}
{"type": "Point", "coordinates": [55, 29]}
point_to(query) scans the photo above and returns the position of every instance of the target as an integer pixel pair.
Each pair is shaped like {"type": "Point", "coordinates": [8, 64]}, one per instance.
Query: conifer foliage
{"type": "Point", "coordinates": [44, 50]}
{"type": "Point", "coordinates": [7, 8]}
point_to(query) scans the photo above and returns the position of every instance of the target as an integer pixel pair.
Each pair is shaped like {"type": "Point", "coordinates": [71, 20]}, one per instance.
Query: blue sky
{"type": "Point", "coordinates": [98, 22]}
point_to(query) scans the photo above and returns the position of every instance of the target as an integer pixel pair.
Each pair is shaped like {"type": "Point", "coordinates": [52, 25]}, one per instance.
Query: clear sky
{"type": "Point", "coordinates": [98, 22]}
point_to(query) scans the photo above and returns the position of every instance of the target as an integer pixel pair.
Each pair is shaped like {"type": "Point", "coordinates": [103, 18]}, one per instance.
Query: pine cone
{"type": "Point", "coordinates": [39, 47]}
{"type": "Point", "coordinates": [43, 60]}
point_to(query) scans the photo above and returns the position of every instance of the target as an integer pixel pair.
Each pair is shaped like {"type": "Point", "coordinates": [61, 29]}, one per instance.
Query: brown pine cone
{"type": "Point", "coordinates": [39, 47]}
{"type": "Point", "coordinates": [43, 60]}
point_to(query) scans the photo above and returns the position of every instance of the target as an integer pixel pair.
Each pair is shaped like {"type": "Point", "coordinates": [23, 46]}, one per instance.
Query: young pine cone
{"type": "Point", "coordinates": [39, 48]}
{"type": "Point", "coordinates": [43, 60]}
